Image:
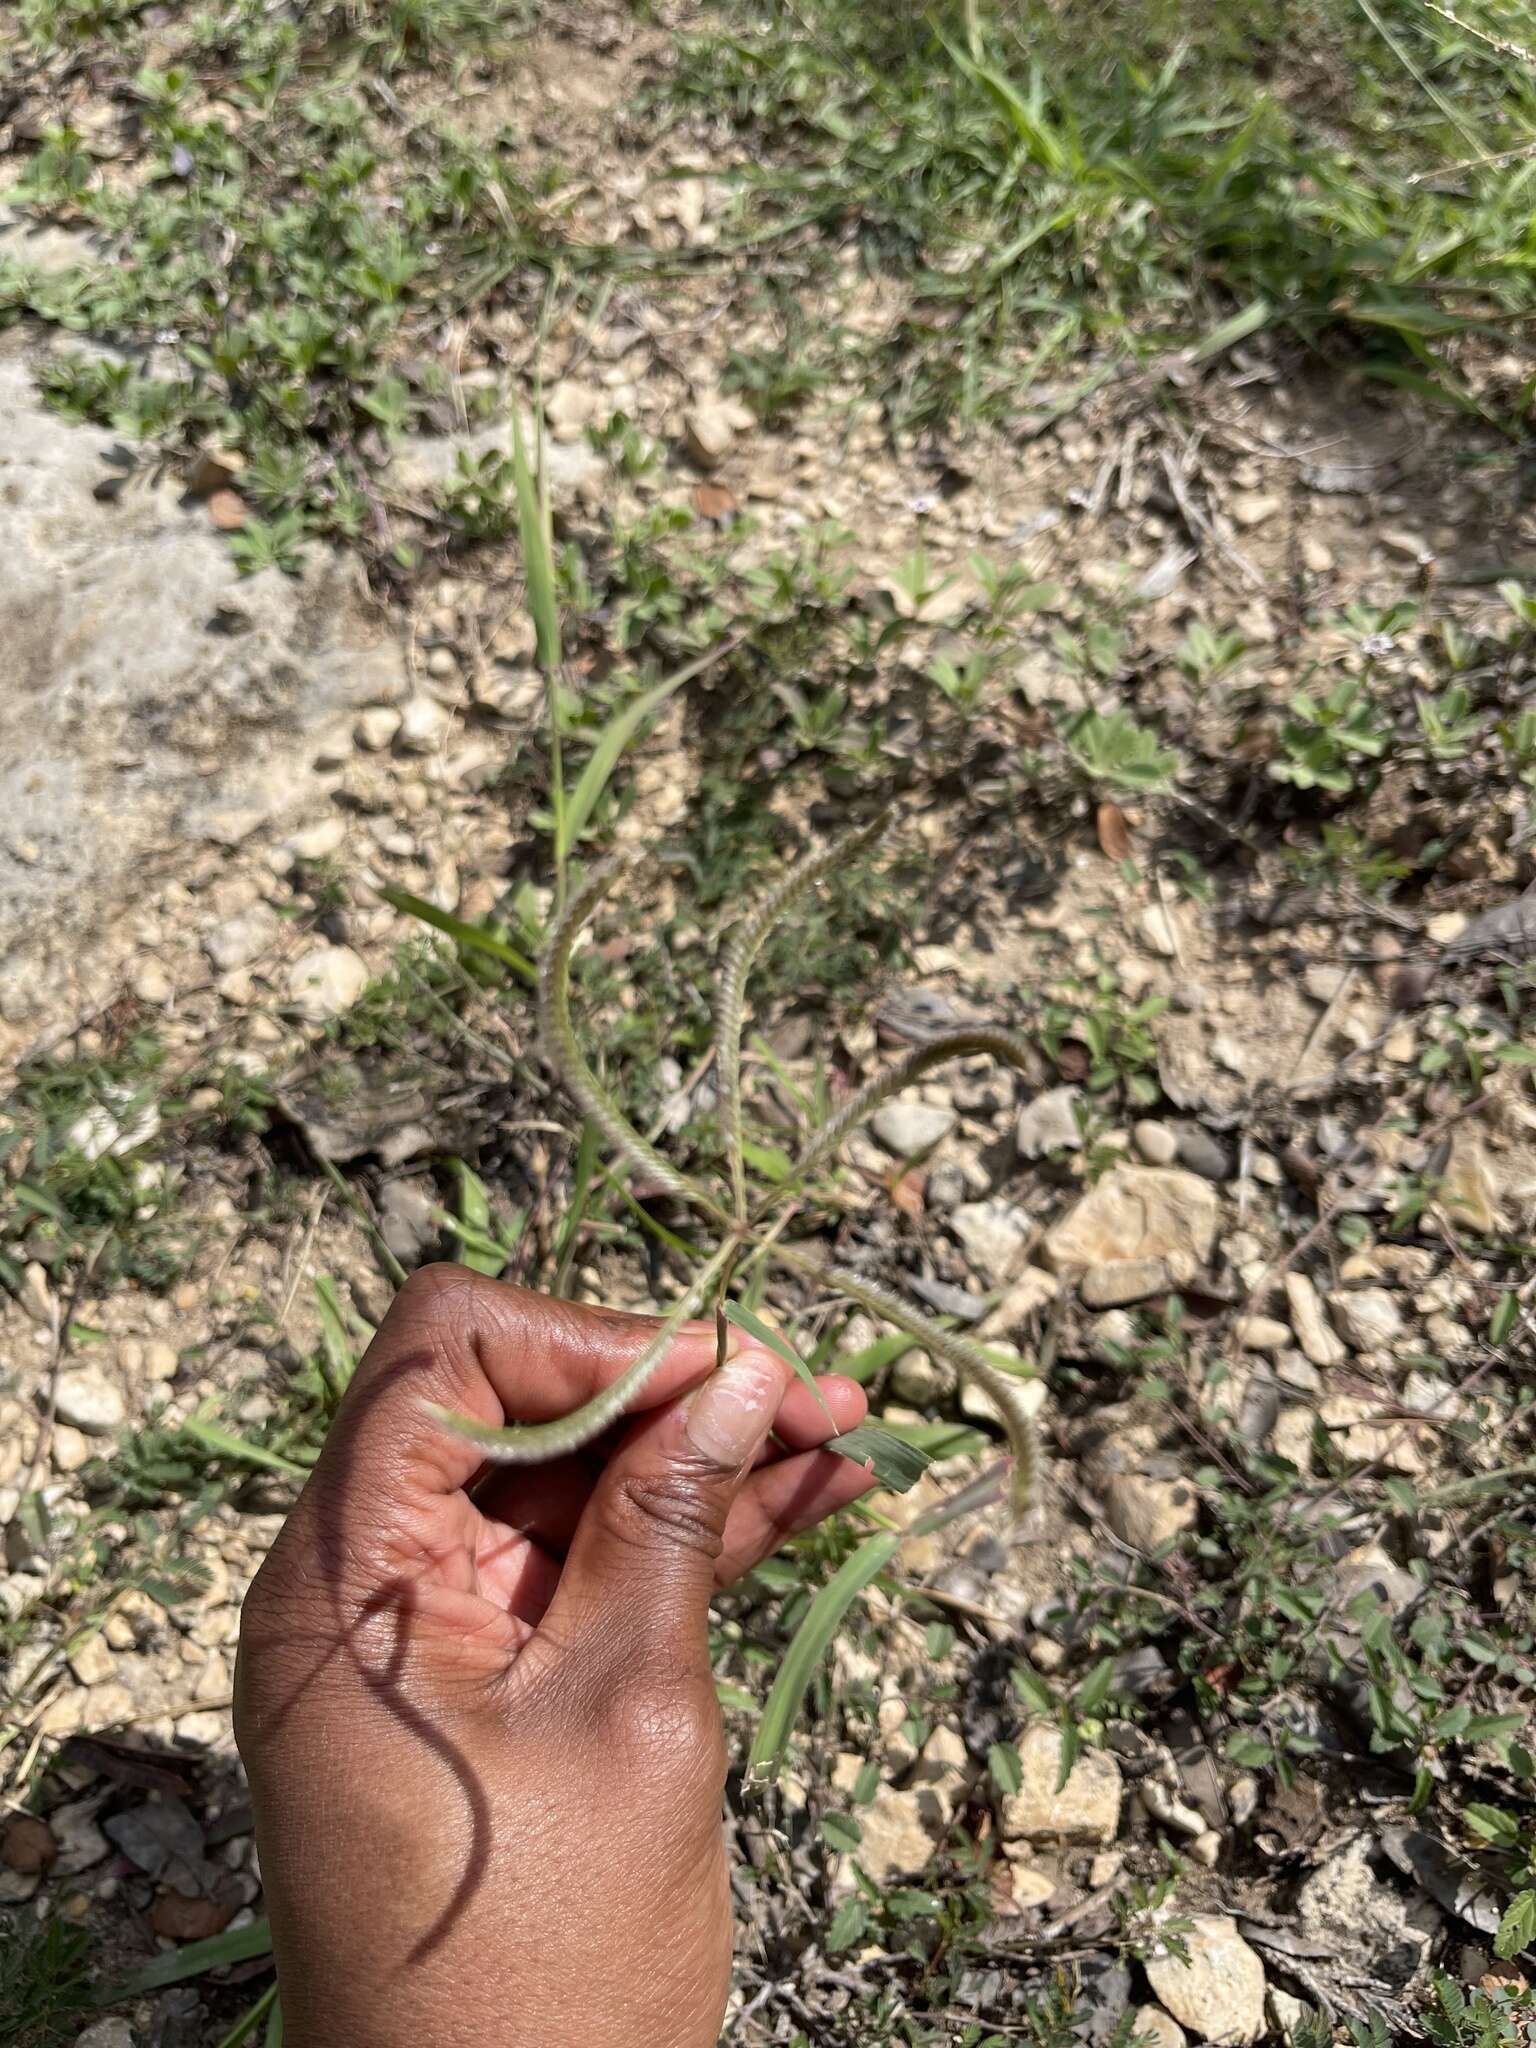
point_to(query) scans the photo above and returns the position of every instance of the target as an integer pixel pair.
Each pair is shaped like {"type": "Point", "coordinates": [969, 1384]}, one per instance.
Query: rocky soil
{"type": "Point", "coordinates": [1258, 1221]}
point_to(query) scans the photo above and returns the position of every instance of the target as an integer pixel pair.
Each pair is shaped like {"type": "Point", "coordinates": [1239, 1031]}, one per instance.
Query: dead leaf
{"type": "Point", "coordinates": [27, 1844]}
{"type": "Point", "coordinates": [213, 469]}
{"type": "Point", "coordinates": [714, 501]}
{"type": "Point", "coordinates": [907, 1193]}
{"type": "Point", "coordinates": [1114, 833]}
{"type": "Point", "coordinates": [227, 510]}
{"type": "Point", "coordinates": [180, 1918]}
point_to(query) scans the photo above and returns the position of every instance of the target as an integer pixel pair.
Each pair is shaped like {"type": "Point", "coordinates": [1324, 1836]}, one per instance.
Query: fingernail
{"type": "Point", "coordinates": [734, 1409]}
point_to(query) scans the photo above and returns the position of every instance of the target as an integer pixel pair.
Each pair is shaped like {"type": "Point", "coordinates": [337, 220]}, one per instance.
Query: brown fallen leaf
{"type": "Point", "coordinates": [27, 1844]}
{"type": "Point", "coordinates": [907, 1193]}
{"type": "Point", "coordinates": [227, 510]}
{"type": "Point", "coordinates": [714, 501]}
{"type": "Point", "coordinates": [1114, 833]}
{"type": "Point", "coordinates": [180, 1918]}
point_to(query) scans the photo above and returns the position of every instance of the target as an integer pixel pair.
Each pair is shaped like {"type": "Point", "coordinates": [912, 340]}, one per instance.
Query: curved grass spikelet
{"type": "Point", "coordinates": [963, 1353]}
{"type": "Point", "coordinates": [529, 1443]}
{"type": "Point", "coordinates": [564, 1051]}
{"type": "Point", "coordinates": [741, 949]}
{"type": "Point", "coordinates": [1002, 1045]}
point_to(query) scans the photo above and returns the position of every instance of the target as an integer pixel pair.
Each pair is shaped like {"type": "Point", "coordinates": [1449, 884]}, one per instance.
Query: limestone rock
{"type": "Point", "coordinates": [897, 1839]}
{"type": "Point", "coordinates": [1049, 1124]}
{"type": "Point", "coordinates": [1086, 1810]}
{"type": "Point", "coordinates": [242, 938]}
{"type": "Point", "coordinates": [1154, 2028]}
{"type": "Point", "coordinates": [993, 1235]}
{"type": "Point", "coordinates": [88, 1401]}
{"type": "Point", "coordinates": [909, 1126]}
{"type": "Point", "coordinates": [1368, 1317]}
{"type": "Point", "coordinates": [156, 695]}
{"type": "Point", "coordinates": [709, 434]}
{"type": "Point", "coordinates": [325, 981]}
{"type": "Point", "coordinates": [1137, 1212]}
{"type": "Point", "coordinates": [1314, 1334]}
{"type": "Point", "coordinates": [1147, 1512]}
{"type": "Point", "coordinates": [1346, 1900]}
{"type": "Point", "coordinates": [1219, 1992]}
{"type": "Point", "coordinates": [1157, 1145]}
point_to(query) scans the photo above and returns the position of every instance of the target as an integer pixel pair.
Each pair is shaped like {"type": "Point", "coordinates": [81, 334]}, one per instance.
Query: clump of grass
{"type": "Point", "coordinates": [1047, 195]}
{"type": "Point", "coordinates": [286, 248]}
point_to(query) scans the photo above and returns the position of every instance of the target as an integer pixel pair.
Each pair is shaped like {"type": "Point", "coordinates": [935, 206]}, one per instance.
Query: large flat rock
{"type": "Point", "coordinates": [152, 695]}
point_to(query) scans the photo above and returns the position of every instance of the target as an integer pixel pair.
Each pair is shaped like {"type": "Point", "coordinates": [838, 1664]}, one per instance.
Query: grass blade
{"type": "Point", "coordinates": [479, 1251]}
{"type": "Point", "coordinates": [576, 1208]}
{"type": "Point", "coordinates": [896, 1461]}
{"type": "Point", "coordinates": [239, 1945]}
{"type": "Point", "coordinates": [744, 1319]}
{"type": "Point", "coordinates": [615, 737]}
{"type": "Point", "coordinates": [811, 1642]}
{"type": "Point", "coordinates": [230, 1446]}
{"type": "Point", "coordinates": [250, 2020]}
{"type": "Point", "coordinates": [469, 937]}
{"type": "Point", "coordinates": [538, 552]}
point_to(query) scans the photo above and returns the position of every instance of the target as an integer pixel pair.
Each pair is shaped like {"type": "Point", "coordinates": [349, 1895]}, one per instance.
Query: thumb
{"type": "Point", "coordinates": [640, 1571]}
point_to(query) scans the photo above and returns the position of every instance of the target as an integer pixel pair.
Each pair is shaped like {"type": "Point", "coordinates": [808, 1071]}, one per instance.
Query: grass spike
{"type": "Point", "coordinates": [564, 1051]}
{"type": "Point", "coordinates": [741, 949]}
{"type": "Point", "coordinates": [530, 1443]}
{"type": "Point", "coordinates": [966, 1356]}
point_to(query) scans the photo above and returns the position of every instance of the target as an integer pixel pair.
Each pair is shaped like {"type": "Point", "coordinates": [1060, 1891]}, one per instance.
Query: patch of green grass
{"type": "Point", "coordinates": [285, 247]}
{"type": "Point", "coordinates": [1055, 181]}
{"type": "Point", "coordinates": [45, 1993]}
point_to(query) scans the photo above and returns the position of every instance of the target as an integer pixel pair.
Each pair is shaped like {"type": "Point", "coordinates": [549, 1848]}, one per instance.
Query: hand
{"type": "Point", "coordinates": [476, 1706]}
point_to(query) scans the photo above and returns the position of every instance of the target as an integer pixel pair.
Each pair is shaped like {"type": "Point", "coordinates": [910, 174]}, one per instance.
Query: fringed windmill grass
{"type": "Point", "coordinates": [748, 1231]}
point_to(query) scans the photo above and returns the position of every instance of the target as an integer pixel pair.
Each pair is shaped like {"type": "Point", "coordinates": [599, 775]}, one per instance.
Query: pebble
{"type": "Point", "coordinates": [88, 1401]}
{"type": "Point", "coordinates": [1254, 508]}
{"type": "Point", "coordinates": [1218, 1993]}
{"type": "Point", "coordinates": [151, 984]}
{"type": "Point", "coordinates": [375, 728]}
{"type": "Point", "coordinates": [1202, 1153]}
{"type": "Point", "coordinates": [159, 1360]}
{"type": "Point", "coordinates": [93, 1663]}
{"type": "Point", "coordinates": [1147, 1512]}
{"type": "Point", "coordinates": [239, 939]}
{"type": "Point", "coordinates": [1318, 1341]}
{"type": "Point", "coordinates": [1263, 1333]}
{"type": "Point", "coordinates": [108, 2033]}
{"type": "Point", "coordinates": [921, 1380]}
{"type": "Point", "coordinates": [1316, 555]}
{"type": "Point", "coordinates": [70, 1449]}
{"type": "Point", "coordinates": [1084, 1811]}
{"type": "Point", "coordinates": [1136, 1212]}
{"type": "Point", "coordinates": [708, 432]}
{"type": "Point", "coordinates": [1157, 1145]}
{"type": "Point", "coordinates": [1049, 1124]}
{"type": "Point", "coordinates": [897, 1841]}
{"type": "Point", "coordinates": [325, 981]}
{"type": "Point", "coordinates": [993, 1235]}
{"type": "Point", "coordinates": [909, 1126]}
{"type": "Point", "coordinates": [319, 840]}
{"type": "Point", "coordinates": [424, 726]}
{"type": "Point", "coordinates": [1156, 928]}
{"type": "Point", "coordinates": [1368, 1318]}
